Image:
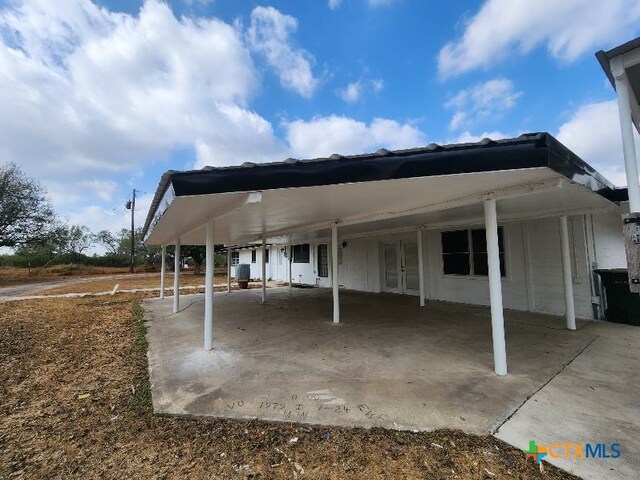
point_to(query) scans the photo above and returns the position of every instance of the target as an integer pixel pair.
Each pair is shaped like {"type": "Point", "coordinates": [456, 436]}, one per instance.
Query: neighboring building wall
{"type": "Point", "coordinates": [532, 256]}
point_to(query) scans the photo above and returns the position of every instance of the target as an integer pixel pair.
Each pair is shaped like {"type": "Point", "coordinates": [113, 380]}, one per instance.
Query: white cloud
{"type": "Point", "coordinates": [483, 101]}
{"type": "Point", "coordinates": [354, 91]}
{"type": "Point", "coordinates": [89, 95]}
{"type": "Point", "coordinates": [377, 85]}
{"type": "Point", "coordinates": [333, 4]}
{"type": "Point", "coordinates": [468, 137]}
{"type": "Point", "coordinates": [191, 3]}
{"type": "Point", "coordinates": [568, 29]}
{"type": "Point", "coordinates": [593, 133]}
{"type": "Point", "coordinates": [269, 34]}
{"type": "Point", "coordinates": [323, 136]}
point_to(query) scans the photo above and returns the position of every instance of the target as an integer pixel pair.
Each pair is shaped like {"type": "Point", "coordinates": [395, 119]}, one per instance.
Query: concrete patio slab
{"type": "Point", "coordinates": [389, 363]}
{"type": "Point", "coordinates": [595, 399]}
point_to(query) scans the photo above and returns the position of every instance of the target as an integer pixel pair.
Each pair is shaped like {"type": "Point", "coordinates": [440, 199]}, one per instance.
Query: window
{"type": "Point", "coordinates": [253, 256]}
{"type": "Point", "coordinates": [266, 255]}
{"type": "Point", "coordinates": [323, 261]}
{"type": "Point", "coordinates": [301, 253]}
{"type": "Point", "coordinates": [455, 253]}
{"type": "Point", "coordinates": [464, 252]}
{"type": "Point", "coordinates": [235, 258]}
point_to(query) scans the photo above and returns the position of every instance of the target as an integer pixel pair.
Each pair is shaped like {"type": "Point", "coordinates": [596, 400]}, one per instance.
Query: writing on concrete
{"type": "Point", "coordinates": [301, 407]}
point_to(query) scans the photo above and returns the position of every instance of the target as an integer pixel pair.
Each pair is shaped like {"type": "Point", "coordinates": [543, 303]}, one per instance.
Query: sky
{"type": "Point", "coordinates": [98, 98]}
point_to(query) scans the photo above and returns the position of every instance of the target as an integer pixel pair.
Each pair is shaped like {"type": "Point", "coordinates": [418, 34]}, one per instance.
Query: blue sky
{"type": "Point", "coordinates": [99, 98]}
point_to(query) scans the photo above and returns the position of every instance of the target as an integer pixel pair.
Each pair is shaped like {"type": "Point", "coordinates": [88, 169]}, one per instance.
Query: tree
{"type": "Point", "coordinates": [61, 239]}
{"type": "Point", "coordinates": [107, 240]}
{"type": "Point", "coordinates": [197, 253]}
{"type": "Point", "coordinates": [142, 253]}
{"type": "Point", "coordinates": [25, 212]}
{"type": "Point", "coordinates": [75, 239]}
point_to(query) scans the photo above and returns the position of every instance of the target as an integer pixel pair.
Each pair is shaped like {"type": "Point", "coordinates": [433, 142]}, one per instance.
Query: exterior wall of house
{"type": "Point", "coordinates": [608, 241]}
{"type": "Point", "coordinates": [475, 289]}
{"type": "Point", "coordinates": [533, 278]}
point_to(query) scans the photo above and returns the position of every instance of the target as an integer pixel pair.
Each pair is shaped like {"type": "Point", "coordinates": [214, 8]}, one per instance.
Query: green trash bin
{"type": "Point", "coordinates": [623, 306]}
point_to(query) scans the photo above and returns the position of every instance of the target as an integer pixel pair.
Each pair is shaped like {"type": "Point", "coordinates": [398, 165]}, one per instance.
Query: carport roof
{"type": "Point", "coordinates": [534, 151]}
{"type": "Point", "coordinates": [629, 49]}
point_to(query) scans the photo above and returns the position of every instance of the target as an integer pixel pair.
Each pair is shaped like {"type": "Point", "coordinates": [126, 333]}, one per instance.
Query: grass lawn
{"type": "Point", "coordinates": [75, 402]}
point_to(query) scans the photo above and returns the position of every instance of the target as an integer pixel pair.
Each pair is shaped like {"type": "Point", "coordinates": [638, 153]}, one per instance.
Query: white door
{"type": "Point", "coordinates": [400, 267]}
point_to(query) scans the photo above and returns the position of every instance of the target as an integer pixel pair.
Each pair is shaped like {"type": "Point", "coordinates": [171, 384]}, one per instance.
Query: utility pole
{"type": "Point", "coordinates": [131, 205]}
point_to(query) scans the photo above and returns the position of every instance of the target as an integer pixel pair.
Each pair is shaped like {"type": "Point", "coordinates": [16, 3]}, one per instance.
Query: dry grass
{"type": "Point", "coordinates": [10, 276]}
{"type": "Point", "coordinates": [74, 402]}
{"type": "Point", "coordinates": [134, 283]}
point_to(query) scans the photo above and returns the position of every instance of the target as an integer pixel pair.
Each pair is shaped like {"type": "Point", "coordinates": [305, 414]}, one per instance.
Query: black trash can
{"type": "Point", "coordinates": [622, 305]}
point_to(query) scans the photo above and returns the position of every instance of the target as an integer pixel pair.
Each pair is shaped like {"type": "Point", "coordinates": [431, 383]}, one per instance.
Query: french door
{"type": "Point", "coordinates": [400, 267]}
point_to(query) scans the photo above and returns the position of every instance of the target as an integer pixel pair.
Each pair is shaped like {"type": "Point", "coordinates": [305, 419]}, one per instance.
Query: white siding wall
{"type": "Point", "coordinates": [609, 243]}
{"type": "Point", "coordinates": [544, 239]}
{"type": "Point", "coordinates": [475, 290]}
{"type": "Point", "coordinates": [360, 268]}
{"type": "Point", "coordinates": [532, 253]}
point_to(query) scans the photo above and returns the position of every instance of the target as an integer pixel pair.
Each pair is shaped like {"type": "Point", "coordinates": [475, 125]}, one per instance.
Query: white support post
{"type": "Point", "coordinates": [567, 278]}
{"type": "Point", "coordinates": [628, 144]}
{"type": "Point", "coordinates": [334, 273]}
{"type": "Point", "coordinates": [163, 270]}
{"type": "Point", "coordinates": [264, 272]}
{"type": "Point", "coordinates": [208, 287]}
{"type": "Point", "coordinates": [495, 287]}
{"type": "Point", "coordinates": [421, 267]}
{"type": "Point", "coordinates": [290, 261]}
{"type": "Point", "coordinates": [228, 268]}
{"type": "Point", "coordinates": [176, 277]}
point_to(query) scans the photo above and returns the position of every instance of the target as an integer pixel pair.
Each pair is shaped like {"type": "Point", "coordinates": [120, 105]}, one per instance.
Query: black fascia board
{"type": "Point", "coordinates": [532, 150]}
{"type": "Point", "coordinates": [539, 151]}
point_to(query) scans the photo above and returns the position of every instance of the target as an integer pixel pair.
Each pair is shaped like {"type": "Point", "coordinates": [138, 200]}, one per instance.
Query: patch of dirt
{"type": "Point", "coordinates": [74, 402]}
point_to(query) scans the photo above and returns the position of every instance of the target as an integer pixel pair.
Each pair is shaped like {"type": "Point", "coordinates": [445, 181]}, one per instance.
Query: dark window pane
{"type": "Point", "coordinates": [266, 255]}
{"type": "Point", "coordinates": [479, 240]}
{"type": "Point", "coordinates": [323, 261]}
{"type": "Point", "coordinates": [456, 264]}
{"type": "Point", "coordinates": [253, 256]}
{"type": "Point", "coordinates": [480, 266]}
{"type": "Point", "coordinates": [455, 242]}
{"type": "Point", "coordinates": [301, 253]}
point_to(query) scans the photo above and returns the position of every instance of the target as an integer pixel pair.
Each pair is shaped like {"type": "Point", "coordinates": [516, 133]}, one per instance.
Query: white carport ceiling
{"type": "Point", "coordinates": [530, 176]}
{"type": "Point", "coordinates": [307, 212]}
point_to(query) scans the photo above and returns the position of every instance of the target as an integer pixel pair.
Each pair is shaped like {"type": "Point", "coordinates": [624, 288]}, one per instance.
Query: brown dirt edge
{"type": "Point", "coordinates": [75, 401]}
